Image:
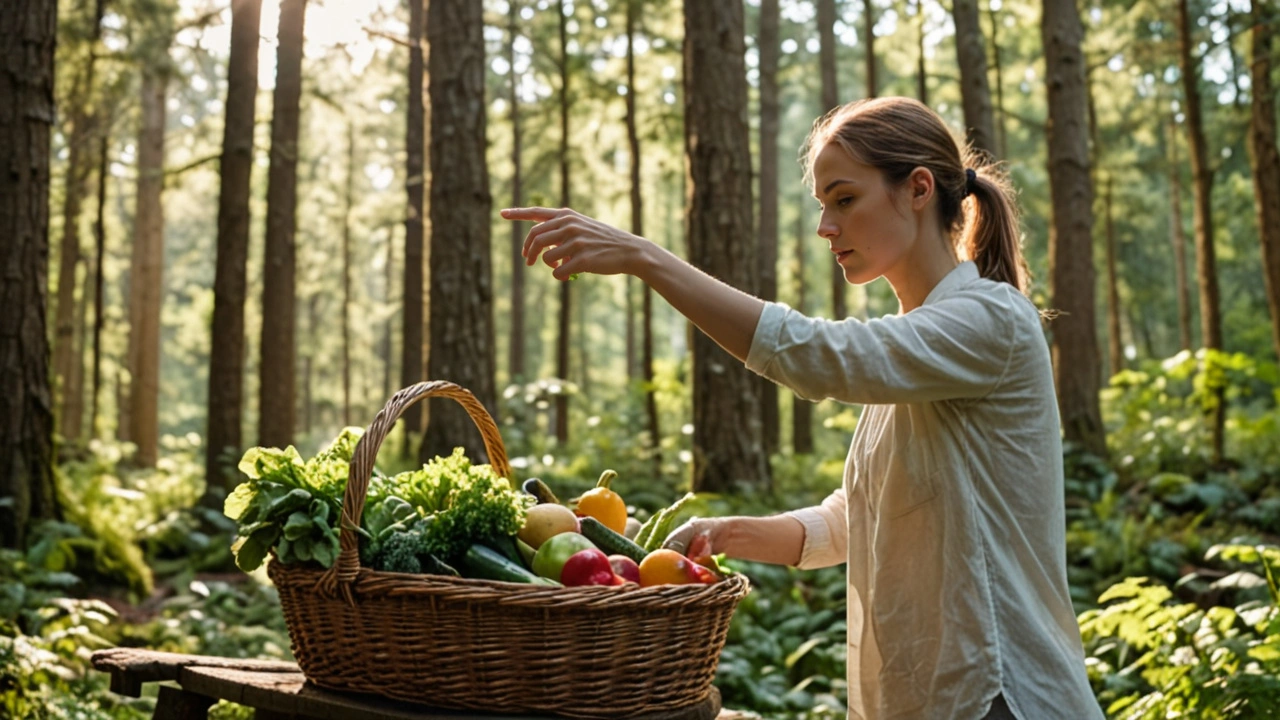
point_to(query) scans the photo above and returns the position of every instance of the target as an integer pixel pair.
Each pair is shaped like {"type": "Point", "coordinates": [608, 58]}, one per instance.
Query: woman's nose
{"type": "Point", "coordinates": [827, 229]}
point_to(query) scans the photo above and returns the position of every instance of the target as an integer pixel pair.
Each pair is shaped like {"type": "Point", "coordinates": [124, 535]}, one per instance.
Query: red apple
{"type": "Point", "coordinates": [588, 567]}
{"type": "Point", "coordinates": [626, 568]}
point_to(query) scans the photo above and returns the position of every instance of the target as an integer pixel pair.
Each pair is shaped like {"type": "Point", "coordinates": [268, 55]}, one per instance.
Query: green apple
{"type": "Point", "coordinates": [556, 551]}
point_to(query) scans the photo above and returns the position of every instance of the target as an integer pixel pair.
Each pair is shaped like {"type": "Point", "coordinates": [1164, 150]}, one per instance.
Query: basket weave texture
{"type": "Point", "coordinates": [588, 652]}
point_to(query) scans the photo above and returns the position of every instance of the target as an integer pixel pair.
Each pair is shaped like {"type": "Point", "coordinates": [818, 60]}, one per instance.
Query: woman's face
{"type": "Point", "coordinates": [868, 226]}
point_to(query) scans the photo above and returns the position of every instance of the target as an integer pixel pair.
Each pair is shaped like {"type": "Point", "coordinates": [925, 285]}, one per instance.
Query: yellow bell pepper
{"type": "Point", "coordinates": [604, 504]}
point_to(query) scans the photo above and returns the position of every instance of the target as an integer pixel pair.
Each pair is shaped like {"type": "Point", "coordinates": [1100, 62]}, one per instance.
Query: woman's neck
{"type": "Point", "coordinates": [931, 258]}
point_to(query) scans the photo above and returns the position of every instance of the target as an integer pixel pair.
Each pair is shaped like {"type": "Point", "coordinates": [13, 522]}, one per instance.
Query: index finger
{"type": "Point", "coordinates": [535, 214]}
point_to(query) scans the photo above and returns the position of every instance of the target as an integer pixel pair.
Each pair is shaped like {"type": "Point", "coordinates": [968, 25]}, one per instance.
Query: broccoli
{"type": "Point", "coordinates": [400, 552]}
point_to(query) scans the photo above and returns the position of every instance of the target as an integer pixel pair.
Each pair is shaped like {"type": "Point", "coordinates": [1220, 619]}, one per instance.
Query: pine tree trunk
{"type": "Point", "coordinates": [727, 436]}
{"type": "Point", "coordinates": [1266, 160]}
{"type": "Point", "coordinates": [566, 297]}
{"type": "Point", "coordinates": [227, 347]}
{"type": "Point", "coordinates": [1179, 240]}
{"type": "Point", "coordinates": [26, 408]}
{"type": "Point", "coordinates": [412, 362]}
{"type": "Point", "coordinates": [869, 33]}
{"type": "Point", "coordinates": [461, 303]}
{"type": "Point", "coordinates": [278, 347]}
{"type": "Point", "coordinates": [801, 409]}
{"type": "Point", "coordinates": [100, 240]}
{"type": "Point", "coordinates": [1000, 118]}
{"type": "Point", "coordinates": [830, 99]}
{"type": "Point", "coordinates": [637, 227]}
{"type": "Point", "coordinates": [971, 52]}
{"type": "Point", "coordinates": [637, 201]}
{"type": "Point", "coordinates": [1202, 174]}
{"type": "Point", "coordinates": [1075, 343]}
{"type": "Point", "coordinates": [516, 343]}
{"type": "Point", "coordinates": [768, 44]}
{"type": "Point", "coordinates": [348, 193]}
{"type": "Point", "coordinates": [389, 329]}
{"type": "Point", "coordinates": [1115, 345]}
{"type": "Point", "coordinates": [922, 75]}
{"type": "Point", "coordinates": [308, 366]}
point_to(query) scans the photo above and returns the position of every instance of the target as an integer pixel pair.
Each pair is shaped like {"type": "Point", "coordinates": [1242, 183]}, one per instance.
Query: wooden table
{"type": "Point", "coordinates": [278, 690]}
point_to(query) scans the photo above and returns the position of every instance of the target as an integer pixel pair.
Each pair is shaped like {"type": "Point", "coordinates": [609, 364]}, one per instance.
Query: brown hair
{"type": "Point", "coordinates": [896, 135]}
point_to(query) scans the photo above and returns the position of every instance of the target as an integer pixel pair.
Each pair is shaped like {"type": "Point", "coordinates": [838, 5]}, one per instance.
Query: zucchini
{"type": "Point", "coordinates": [609, 541]}
{"type": "Point", "coordinates": [488, 564]}
{"type": "Point", "coordinates": [539, 490]}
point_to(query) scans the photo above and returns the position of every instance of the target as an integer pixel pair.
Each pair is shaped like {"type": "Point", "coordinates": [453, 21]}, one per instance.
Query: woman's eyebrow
{"type": "Point", "coordinates": [833, 183]}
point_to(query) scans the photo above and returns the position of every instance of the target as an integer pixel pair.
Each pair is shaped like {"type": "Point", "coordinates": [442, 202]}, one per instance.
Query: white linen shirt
{"type": "Point", "coordinates": [951, 516]}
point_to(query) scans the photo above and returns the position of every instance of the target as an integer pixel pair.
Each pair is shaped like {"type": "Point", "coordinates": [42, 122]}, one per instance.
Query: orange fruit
{"type": "Point", "coordinates": [666, 567]}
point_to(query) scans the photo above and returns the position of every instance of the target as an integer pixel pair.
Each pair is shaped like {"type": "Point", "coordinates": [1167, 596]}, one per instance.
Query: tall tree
{"type": "Point", "coordinates": [566, 295]}
{"type": "Point", "coordinates": [1075, 343]}
{"type": "Point", "coordinates": [922, 75]}
{"type": "Point", "coordinates": [461, 303]}
{"type": "Point", "coordinates": [971, 54]}
{"type": "Point", "coordinates": [768, 44]}
{"type": "Point", "coordinates": [1115, 347]}
{"type": "Point", "coordinates": [727, 436]}
{"type": "Point", "coordinates": [348, 200]}
{"type": "Point", "coordinates": [1178, 239]}
{"type": "Point", "coordinates": [67, 355]}
{"type": "Point", "coordinates": [637, 227]}
{"type": "Point", "coordinates": [100, 241]}
{"type": "Point", "coordinates": [801, 409]}
{"type": "Point", "coordinates": [227, 347]}
{"type": "Point", "coordinates": [1202, 185]}
{"type": "Point", "coordinates": [637, 202]}
{"type": "Point", "coordinates": [830, 99]}
{"type": "Point", "coordinates": [412, 363]}
{"type": "Point", "coordinates": [516, 344]}
{"type": "Point", "coordinates": [147, 266]}
{"type": "Point", "coordinates": [278, 346]}
{"type": "Point", "coordinates": [1000, 116]}
{"type": "Point", "coordinates": [1266, 159]}
{"type": "Point", "coordinates": [27, 40]}
{"type": "Point", "coordinates": [869, 33]}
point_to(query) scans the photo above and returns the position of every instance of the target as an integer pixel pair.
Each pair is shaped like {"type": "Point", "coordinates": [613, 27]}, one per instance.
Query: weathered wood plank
{"type": "Point", "coordinates": [178, 704]}
{"type": "Point", "coordinates": [287, 694]}
{"type": "Point", "coordinates": [143, 666]}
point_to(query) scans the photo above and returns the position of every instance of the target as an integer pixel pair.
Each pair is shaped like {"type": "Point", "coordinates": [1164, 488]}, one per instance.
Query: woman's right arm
{"type": "Point", "coordinates": [808, 538]}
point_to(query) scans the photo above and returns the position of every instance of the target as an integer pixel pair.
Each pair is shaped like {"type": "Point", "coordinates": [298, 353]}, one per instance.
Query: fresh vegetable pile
{"type": "Point", "coordinates": [453, 518]}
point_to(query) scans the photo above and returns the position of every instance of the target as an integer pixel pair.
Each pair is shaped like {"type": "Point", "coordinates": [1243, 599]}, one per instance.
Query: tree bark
{"type": "Point", "coordinates": [389, 330]}
{"type": "Point", "coordinates": [1266, 160]}
{"type": "Point", "coordinates": [227, 347]}
{"type": "Point", "coordinates": [278, 346]}
{"type": "Point", "coordinates": [461, 302]}
{"type": "Point", "coordinates": [26, 404]}
{"type": "Point", "coordinates": [566, 296]}
{"type": "Point", "coordinates": [100, 240]}
{"type": "Point", "coordinates": [516, 344]}
{"type": "Point", "coordinates": [1179, 240]}
{"type": "Point", "coordinates": [1000, 118]}
{"type": "Point", "coordinates": [1115, 345]}
{"type": "Point", "coordinates": [1202, 174]}
{"type": "Point", "coordinates": [971, 52]}
{"type": "Point", "coordinates": [348, 193]}
{"type": "Point", "coordinates": [768, 44]}
{"type": "Point", "coordinates": [801, 409]}
{"type": "Point", "coordinates": [634, 8]}
{"type": "Point", "coordinates": [922, 75]}
{"type": "Point", "coordinates": [727, 436]}
{"type": "Point", "coordinates": [1075, 343]}
{"type": "Point", "coordinates": [412, 363]}
{"type": "Point", "coordinates": [830, 99]}
{"type": "Point", "coordinates": [869, 21]}
{"type": "Point", "coordinates": [146, 272]}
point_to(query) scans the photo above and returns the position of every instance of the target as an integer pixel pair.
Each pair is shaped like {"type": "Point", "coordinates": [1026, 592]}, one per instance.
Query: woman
{"type": "Point", "coordinates": [951, 514]}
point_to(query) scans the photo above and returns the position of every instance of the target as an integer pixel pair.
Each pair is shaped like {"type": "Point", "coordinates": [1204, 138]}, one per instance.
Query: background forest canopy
{"type": "Point", "coordinates": [154, 96]}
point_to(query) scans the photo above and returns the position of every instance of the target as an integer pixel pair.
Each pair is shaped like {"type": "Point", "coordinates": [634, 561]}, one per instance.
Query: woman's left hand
{"type": "Point", "coordinates": [575, 243]}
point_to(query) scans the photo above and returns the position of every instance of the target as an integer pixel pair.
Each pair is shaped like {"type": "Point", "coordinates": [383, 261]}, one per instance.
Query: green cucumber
{"type": "Point", "coordinates": [609, 541]}
{"type": "Point", "coordinates": [539, 490]}
{"type": "Point", "coordinates": [488, 564]}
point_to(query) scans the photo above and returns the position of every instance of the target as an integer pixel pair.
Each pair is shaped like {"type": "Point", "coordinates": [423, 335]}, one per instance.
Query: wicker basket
{"type": "Point", "coordinates": [585, 652]}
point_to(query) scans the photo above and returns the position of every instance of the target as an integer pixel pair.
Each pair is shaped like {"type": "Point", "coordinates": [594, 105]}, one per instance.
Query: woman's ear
{"type": "Point", "coordinates": [920, 183]}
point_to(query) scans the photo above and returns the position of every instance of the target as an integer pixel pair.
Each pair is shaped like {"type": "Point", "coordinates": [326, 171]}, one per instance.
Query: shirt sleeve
{"type": "Point", "coordinates": [826, 532]}
{"type": "Point", "coordinates": [958, 347]}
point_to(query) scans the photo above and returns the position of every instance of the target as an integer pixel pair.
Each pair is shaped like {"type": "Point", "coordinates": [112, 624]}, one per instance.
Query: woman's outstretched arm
{"type": "Point", "coordinates": [574, 243]}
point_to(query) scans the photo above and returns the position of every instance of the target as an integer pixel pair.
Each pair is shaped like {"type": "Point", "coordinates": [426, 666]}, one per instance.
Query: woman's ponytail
{"type": "Point", "coordinates": [991, 235]}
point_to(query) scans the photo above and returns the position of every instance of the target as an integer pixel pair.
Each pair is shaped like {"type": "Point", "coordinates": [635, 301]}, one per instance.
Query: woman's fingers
{"type": "Point", "coordinates": [534, 214]}
{"type": "Point", "coordinates": [537, 239]}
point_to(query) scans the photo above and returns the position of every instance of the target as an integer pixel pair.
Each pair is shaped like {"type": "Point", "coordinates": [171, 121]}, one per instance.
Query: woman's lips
{"type": "Point", "coordinates": [842, 254]}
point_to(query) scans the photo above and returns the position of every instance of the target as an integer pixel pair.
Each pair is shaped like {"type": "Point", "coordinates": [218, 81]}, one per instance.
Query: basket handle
{"type": "Point", "coordinates": [347, 566]}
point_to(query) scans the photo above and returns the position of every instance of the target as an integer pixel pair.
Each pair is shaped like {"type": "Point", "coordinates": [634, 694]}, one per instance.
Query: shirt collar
{"type": "Point", "coordinates": [960, 276]}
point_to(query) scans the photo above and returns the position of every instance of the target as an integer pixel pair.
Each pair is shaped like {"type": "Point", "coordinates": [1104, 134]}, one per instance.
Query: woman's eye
{"type": "Point", "coordinates": [844, 201]}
